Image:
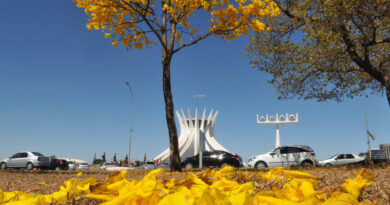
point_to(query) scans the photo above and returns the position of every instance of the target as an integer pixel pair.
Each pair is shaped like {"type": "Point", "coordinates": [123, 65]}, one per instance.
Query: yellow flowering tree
{"type": "Point", "coordinates": [137, 24]}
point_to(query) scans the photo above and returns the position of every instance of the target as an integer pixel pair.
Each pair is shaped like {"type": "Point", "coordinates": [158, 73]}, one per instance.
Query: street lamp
{"type": "Point", "coordinates": [131, 118]}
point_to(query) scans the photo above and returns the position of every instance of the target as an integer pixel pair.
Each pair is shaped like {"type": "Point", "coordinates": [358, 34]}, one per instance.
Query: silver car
{"type": "Point", "coordinates": [341, 159]}
{"type": "Point", "coordinates": [146, 165]}
{"type": "Point", "coordinates": [83, 166]}
{"type": "Point", "coordinates": [71, 165]}
{"type": "Point", "coordinates": [284, 156]}
{"type": "Point", "coordinates": [28, 160]}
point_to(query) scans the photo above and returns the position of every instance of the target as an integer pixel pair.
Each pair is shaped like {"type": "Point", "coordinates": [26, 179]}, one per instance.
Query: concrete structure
{"type": "Point", "coordinates": [376, 153]}
{"type": "Point", "coordinates": [196, 134]}
{"type": "Point", "coordinates": [282, 119]}
{"type": "Point", "coordinates": [385, 149]}
{"type": "Point", "coordinates": [383, 152]}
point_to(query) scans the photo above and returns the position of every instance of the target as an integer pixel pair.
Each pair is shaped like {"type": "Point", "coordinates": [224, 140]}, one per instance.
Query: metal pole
{"type": "Point", "coordinates": [131, 119]}
{"type": "Point", "coordinates": [368, 137]}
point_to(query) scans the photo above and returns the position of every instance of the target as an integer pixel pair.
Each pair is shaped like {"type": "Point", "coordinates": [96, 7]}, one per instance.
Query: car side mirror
{"type": "Point", "coordinates": [272, 153]}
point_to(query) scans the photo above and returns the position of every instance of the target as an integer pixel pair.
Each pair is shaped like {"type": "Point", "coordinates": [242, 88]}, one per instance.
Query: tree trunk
{"type": "Point", "coordinates": [387, 87]}
{"type": "Point", "coordinates": [169, 111]}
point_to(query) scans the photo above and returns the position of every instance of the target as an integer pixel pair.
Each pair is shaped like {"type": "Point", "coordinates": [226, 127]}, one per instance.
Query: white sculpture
{"type": "Point", "coordinates": [282, 119]}
{"type": "Point", "coordinates": [195, 134]}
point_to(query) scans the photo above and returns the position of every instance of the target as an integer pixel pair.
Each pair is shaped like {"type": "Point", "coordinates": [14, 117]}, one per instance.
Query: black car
{"type": "Point", "coordinates": [60, 164]}
{"type": "Point", "coordinates": [215, 158]}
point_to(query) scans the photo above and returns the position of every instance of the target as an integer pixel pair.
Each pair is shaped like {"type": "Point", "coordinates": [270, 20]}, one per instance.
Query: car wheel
{"type": "Point", "coordinates": [3, 166]}
{"type": "Point", "coordinates": [260, 165]}
{"type": "Point", "coordinates": [307, 163]}
{"type": "Point", "coordinates": [328, 165]}
{"type": "Point", "coordinates": [29, 166]}
{"type": "Point", "coordinates": [189, 166]}
{"type": "Point", "coordinates": [225, 164]}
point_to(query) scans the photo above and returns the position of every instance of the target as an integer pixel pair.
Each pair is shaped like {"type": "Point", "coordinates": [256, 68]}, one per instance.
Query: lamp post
{"type": "Point", "coordinates": [131, 118]}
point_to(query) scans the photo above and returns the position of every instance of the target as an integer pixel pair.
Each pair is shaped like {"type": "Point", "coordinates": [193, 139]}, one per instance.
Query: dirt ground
{"type": "Point", "coordinates": [329, 179]}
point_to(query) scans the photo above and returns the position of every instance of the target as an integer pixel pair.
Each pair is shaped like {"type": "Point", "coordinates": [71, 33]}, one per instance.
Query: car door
{"type": "Point", "coordinates": [340, 159]}
{"type": "Point", "coordinates": [194, 160]}
{"type": "Point", "coordinates": [22, 160]}
{"type": "Point", "coordinates": [293, 156]}
{"type": "Point", "coordinates": [208, 159]}
{"type": "Point", "coordinates": [284, 156]}
{"type": "Point", "coordinates": [277, 157]}
{"type": "Point", "coordinates": [349, 158]}
{"type": "Point", "coordinates": [13, 160]}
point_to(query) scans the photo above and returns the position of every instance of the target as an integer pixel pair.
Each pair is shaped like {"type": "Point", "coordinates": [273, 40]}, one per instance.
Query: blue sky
{"type": "Point", "coordinates": [63, 93]}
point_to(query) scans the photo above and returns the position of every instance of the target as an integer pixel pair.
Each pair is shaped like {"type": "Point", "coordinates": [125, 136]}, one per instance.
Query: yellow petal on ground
{"type": "Point", "coordinates": [354, 186]}
{"type": "Point", "coordinates": [342, 199]}
{"type": "Point", "coordinates": [243, 194]}
{"type": "Point", "coordinates": [177, 198]}
{"type": "Point", "coordinates": [218, 188]}
{"type": "Point", "coordinates": [116, 177]}
{"type": "Point", "coordinates": [31, 201]}
{"type": "Point", "coordinates": [268, 200]}
{"type": "Point", "coordinates": [79, 174]}
{"type": "Point", "coordinates": [296, 190]}
{"type": "Point", "coordinates": [100, 197]}
{"type": "Point", "coordinates": [226, 171]}
{"type": "Point", "coordinates": [279, 173]}
{"type": "Point", "coordinates": [225, 185]}
{"type": "Point", "coordinates": [43, 184]}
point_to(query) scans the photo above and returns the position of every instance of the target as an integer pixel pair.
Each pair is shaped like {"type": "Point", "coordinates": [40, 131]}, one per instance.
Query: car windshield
{"type": "Point", "coordinates": [83, 163]}
{"type": "Point", "coordinates": [333, 156]}
{"type": "Point", "coordinates": [37, 154]}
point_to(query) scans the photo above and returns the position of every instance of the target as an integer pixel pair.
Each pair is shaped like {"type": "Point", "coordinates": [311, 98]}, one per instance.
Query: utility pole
{"type": "Point", "coordinates": [131, 118]}
{"type": "Point", "coordinates": [368, 136]}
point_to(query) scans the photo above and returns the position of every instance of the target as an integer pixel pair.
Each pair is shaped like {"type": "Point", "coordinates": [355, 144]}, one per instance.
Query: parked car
{"type": "Point", "coordinates": [104, 166]}
{"type": "Point", "coordinates": [60, 164]}
{"type": "Point", "coordinates": [83, 166]}
{"type": "Point", "coordinates": [28, 160]}
{"type": "Point", "coordinates": [341, 159]}
{"type": "Point", "coordinates": [146, 165]}
{"type": "Point", "coordinates": [217, 158]}
{"type": "Point", "coordinates": [71, 165]}
{"type": "Point", "coordinates": [163, 165]}
{"type": "Point", "coordinates": [284, 156]}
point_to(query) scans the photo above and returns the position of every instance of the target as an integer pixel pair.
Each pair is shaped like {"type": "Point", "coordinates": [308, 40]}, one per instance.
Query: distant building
{"type": "Point", "coordinates": [385, 149]}
{"type": "Point", "coordinates": [196, 134]}
{"type": "Point", "coordinates": [383, 152]}
{"type": "Point", "coordinates": [376, 153]}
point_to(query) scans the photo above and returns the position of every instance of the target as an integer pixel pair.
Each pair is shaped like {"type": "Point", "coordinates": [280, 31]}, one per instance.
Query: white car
{"type": "Point", "coordinates": [284, 156]}
{"type": "Point", "coordinates": [146, 165]}
{"type": "Point", "coordinates": [83, 166]}
{"type": "Point", "coordinates": [71, 165]}
{"type": "Point", "coordinates": [341, 159]}
{"type": "Point", "coordinates": [104, 166]}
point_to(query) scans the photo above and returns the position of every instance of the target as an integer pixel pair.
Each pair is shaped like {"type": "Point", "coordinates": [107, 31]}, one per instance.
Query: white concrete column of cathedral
{"type": "Point", "coordinates": [196, 135]}
{"type": "Point", "coordinates": [278, 120]}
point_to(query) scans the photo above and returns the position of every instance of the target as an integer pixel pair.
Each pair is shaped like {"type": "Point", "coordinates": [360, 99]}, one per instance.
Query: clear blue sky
{"type": "Point", "coordinates": [63, 93]}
